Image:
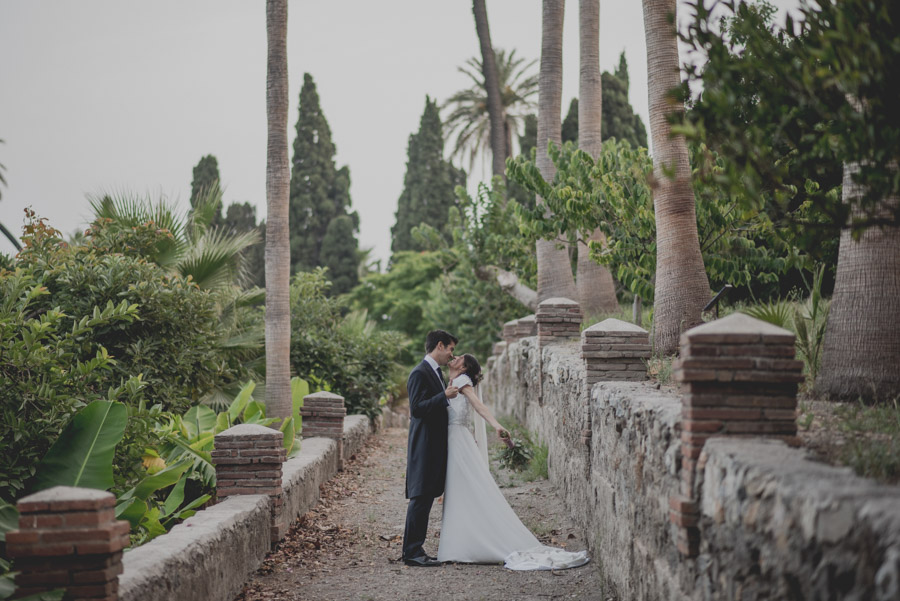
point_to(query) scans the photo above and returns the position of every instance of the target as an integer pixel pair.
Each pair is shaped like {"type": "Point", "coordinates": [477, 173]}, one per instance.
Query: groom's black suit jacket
{"type": "Point", "coordinates": [426, 454]}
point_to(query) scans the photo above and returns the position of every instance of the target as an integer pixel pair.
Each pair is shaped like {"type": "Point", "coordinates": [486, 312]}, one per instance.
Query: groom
{"type": "Point", "coordinates": [426, 455]}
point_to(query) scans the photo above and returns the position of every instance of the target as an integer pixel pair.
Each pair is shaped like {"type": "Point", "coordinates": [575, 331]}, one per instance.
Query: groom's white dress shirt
{"type": "Point", "coordinates": [434, 365]}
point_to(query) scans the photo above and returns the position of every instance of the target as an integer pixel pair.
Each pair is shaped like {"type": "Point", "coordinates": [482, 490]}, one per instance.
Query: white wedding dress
{"type": "Point", "coordinates": [478, 525]}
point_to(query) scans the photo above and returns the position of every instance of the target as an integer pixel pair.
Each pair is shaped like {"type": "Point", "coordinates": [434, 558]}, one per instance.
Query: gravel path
{"type": "Point", "coordinates": [348, 546]}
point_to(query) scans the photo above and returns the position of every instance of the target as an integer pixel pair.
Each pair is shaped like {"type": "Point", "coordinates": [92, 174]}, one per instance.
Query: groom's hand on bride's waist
{"type": "Point", "coordinates": [451, 392]}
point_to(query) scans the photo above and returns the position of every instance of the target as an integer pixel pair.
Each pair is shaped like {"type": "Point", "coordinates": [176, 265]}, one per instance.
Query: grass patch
{"type": "Point", "coordinates": [659, 369]}
{"type": "Point", "coordinates": [872, 447]}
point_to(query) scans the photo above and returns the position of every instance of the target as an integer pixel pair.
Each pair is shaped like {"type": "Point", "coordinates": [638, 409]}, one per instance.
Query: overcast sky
{"type": "Point", "coordinates": [113, 95]}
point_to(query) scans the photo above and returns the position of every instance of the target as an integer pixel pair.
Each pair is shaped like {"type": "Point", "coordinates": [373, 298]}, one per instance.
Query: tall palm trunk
{"type": "Point", "coordinates": [682, 288]}
{"type": "Point", "coordinates": [492, 87]}
{"type": "Point", "coordinates": [594, 282]}
{"type": "Point", "coordinates": [861, 354]}
{"type": "Point", "coordinates": [278, 255]}
{"type": "Point", "coordinates": [554, 272]}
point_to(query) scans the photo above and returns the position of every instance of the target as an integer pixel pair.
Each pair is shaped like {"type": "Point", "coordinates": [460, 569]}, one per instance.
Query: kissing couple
{"type": "Point", "coordinates": [478, 525]}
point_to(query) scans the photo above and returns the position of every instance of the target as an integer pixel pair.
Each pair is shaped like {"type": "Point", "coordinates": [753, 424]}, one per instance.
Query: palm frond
{"type": "Point", "coordinates": [214, 260]}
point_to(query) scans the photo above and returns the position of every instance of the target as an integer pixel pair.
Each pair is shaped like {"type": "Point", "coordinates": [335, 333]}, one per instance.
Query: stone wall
{"type": "Point", "coordinates": [772, 523]}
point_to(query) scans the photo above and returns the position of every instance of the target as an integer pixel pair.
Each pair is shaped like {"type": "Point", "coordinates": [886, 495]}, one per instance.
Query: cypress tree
{"type": "Point", "coordinates": [339, 255]}
{"type": "Point", "coordinates": [320, 192]}
{"type": "Point", "coordinates": [619, 119]}
{"type": "Point", "coordinates": [527, 143]}
{"type": "Point", "coordinates": [428, 187]}
{"type": "Point", "coordinates": [206, 175]}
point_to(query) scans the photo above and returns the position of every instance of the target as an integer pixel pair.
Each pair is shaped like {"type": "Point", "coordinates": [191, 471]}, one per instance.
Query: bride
{"type": "Point", "coordinates": [478, 525]}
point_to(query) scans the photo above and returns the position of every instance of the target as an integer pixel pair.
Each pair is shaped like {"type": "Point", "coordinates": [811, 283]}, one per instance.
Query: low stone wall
{"type": "Point", "coordinates": [772, 523]}
{"type": "Point", "coordinates": [212, 554]}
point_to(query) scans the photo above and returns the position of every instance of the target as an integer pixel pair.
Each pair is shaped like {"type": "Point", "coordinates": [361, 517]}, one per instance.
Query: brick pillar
{"type": "Point", "coordinates": [68, 538]}
{"type": "Point", "coordinates": [248, 459]}
{"type": "Point", "coordinates": [323, 415]}
{"type": "Point", "coordinates": [558, 320]}
{"type": "Point", "coordinates": [615, 350]}
{"type": "Point", "coordinates": [738, 377]}
{"type": "Point", "coordinates": [509, 331]}
{"type": "Point", "coordinates": [526, 326]}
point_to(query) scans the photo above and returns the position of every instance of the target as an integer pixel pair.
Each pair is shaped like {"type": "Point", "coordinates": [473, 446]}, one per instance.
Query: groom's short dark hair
{"type": "Point", "coordinates": [435, 336]}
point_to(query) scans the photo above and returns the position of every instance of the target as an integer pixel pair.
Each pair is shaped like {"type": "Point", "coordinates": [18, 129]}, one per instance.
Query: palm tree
{"type": "Point", "coordinates": [278, 178]}
{"type": "Point", "coordinates": [492, 89]}
{"type": "Point", "coordinates": [862, 339]}
{"type": "Point", "coordinates": [213, 258]}
{"type": "Point", "coordinates": [682, 287]}
{"type": "Point", "coordinates": [469, 119]}
{"type": "Point", "coordinates": [554, 272]}
{"type": "Point", "coordinates": [594, 282]}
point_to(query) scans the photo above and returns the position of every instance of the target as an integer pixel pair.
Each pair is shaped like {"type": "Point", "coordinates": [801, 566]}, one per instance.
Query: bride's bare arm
{"type": "Point", "coordinates": [481, 408]}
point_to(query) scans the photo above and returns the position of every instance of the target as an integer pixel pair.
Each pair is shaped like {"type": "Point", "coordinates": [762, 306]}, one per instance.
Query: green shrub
{"type": "Point", "coordinates": [348, 353]}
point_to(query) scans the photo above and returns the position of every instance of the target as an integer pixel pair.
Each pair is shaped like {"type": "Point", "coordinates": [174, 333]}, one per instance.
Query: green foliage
{"type": "Point", "coordinates": [788, 106]}
{"type": "Point", "coordinates": [739, 247]}
{"type": "Point", "coordinates": [570, 124]}
{"type": "Point", "coordinates": [320, 193]}
{"type": "Point", "coordinates": [429, 183]}
{"type": "Point", "coordinates": [873, 439]}
{"type": "Point", "coordinates": [516, 457]}
{"type": "Point", "coordinates": [355, 358]}
{"type": "Point", "coordinates": [52, 365]}
{"type": "Point", "coordinates": [83, 453]}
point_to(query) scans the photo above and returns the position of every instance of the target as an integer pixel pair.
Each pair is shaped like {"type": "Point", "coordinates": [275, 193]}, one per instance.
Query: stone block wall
{"type": "Point", "coordinates": [770, 523]}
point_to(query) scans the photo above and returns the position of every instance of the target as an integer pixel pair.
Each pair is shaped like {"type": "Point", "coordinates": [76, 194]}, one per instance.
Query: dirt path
{"type": "Point", "coordinates": [348, 547]}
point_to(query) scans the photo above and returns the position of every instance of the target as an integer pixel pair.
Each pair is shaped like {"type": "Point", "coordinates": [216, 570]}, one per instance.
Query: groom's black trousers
{"type": "Point", "coordinates": [416, 526]}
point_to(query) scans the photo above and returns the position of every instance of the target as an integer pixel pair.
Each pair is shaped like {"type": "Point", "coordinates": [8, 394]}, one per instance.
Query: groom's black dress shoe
{"type": "Point", "coordinates": [423, 561]}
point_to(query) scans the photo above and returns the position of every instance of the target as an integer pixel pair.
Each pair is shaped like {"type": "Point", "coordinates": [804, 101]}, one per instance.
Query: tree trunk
{"type": "Point", "coordinates": [278, 254]}
{"type": "Point", "coordinates": [594, 282]}
{"type": "Point", "coordinates": [682, 288]}
{"type": "Point", "coordinates": [554, 270]}
{"type": "Point", "coordinates": [861, 354]}
{"type": "Point", "coordinates": [492, 87]}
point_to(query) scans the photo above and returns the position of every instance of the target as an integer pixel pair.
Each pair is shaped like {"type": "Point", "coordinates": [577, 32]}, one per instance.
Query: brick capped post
{"type": "Point", "coordinates": [526, 326]}
{"type": "Point", "coordinates": [558, 320]}
{"type": "Point", "coordinates": [738, 377]}
{"type": "Point", "coordinates": [248, 459]}
{"type": "Point", "coordinates": [68, 538]}
{"type": "Point", "coordinates": [323, 415]}
{"type": "Point", "coordinates": [615, 350]}
{"type": "Point", "coordinates": [498, 348]}
{"type": "Point", "coordinates": [509, 331]}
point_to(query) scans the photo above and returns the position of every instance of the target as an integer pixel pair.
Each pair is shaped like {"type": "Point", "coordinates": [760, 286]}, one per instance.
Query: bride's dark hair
{"type": "Point", "coordinates": [473, 369]}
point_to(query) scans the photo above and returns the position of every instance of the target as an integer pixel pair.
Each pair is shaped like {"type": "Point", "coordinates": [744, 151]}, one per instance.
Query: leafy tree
{"type": "Point", "coordinates": [320, 192]}
{"type": "Point", "coordinates": [469, 119]}
{"type": "Point", "coordinates": [612, 194]}
{"type": "Point", "coordinates": [785, 106]}
{"type": "Point", "coordinates": [429, 183]}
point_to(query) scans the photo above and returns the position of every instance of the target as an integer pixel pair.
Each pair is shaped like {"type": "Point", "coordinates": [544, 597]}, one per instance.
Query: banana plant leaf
{"type": "Point", "coordinates": [287, 428]}
{"type": "Point", "coordinates": [199, 420]}
{"type": "Point", "coordinates": [83, 453]}
{"type": "Point", "coordinates": [240, 401]}
{"type": "Point", "coordinates": [299, 389]}
{"type": "Point", "coordinates": [9, 519]}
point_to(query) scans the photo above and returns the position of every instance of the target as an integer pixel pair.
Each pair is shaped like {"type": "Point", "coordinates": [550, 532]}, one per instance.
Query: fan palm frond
{"type": "Point", "coordinates": [207, 206]}
{"type": "Point", "coordinates": [214, 259]}
{"type": "Point", "coordinates": [468, 117]}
